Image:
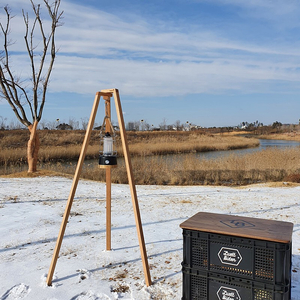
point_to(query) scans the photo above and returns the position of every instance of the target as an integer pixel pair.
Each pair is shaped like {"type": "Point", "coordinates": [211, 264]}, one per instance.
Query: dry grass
{"type": "Point", "coordinates": [44, 172]}
{"type": "Point", "coordinates": [190, 143]}
{"type": "Point", "coordinates": [289, 136]}
{"type": "Point", "coordinates": [60, 150]}
{"type": "Point", "coordinates": [66, 145]}
{"type": "Point", "coordinates": [271, 165]}
{"type": "Point", "coordinates": [262, 166]}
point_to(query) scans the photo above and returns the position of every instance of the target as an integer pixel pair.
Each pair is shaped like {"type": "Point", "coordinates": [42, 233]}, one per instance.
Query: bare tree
{"type": "Point", "coordinates": [136, 125]}
{"type": "Point", "coordinates": [84, 123]}
{"type": "Point", "coordinates": [147, 126]}
{"type": "Point", "coordinates": [73, 123]}
{"type": "Point", "coordinates": [2, 123]}
{"type": "Point", "coordinates": [27, 101]}
{"type": "Point", "coordinates": [163, 125]}
{"type": "Point", "coordinates": [177, 125]}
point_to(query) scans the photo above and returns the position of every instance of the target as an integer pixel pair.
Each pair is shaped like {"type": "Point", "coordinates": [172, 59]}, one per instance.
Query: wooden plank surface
{"type": "Point", "coordinates": [254, 228]}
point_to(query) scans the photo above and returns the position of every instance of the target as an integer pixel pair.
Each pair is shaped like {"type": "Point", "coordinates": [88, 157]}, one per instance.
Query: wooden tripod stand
{"type": "Point", "coordinates": [106, 94]}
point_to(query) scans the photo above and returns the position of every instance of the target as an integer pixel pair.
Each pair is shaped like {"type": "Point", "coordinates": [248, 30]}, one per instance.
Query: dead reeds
{"type": "Point", "coordinates": [262, 166]}
{"type": "Point", "coordinates": [62, 145]}
{"type": "Point", "coordinates": [269, 165]}
{"type": "Point", "coordinates": [154, 161]}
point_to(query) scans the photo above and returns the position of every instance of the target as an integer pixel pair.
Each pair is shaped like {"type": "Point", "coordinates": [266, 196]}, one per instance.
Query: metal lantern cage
{"type": "Point", "coordinates": [108, 152]}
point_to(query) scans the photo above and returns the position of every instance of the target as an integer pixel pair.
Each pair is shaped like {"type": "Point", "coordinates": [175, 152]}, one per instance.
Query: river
{"type": "Point", "coordinates": [264, 144]}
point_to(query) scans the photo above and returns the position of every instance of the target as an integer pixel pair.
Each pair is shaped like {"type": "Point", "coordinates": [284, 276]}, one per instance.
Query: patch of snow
{"type": "Point", "coordinates": [31, 212]}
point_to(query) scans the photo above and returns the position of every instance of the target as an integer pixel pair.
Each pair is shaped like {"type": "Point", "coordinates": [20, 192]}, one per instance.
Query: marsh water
{"type": "Point", "coordinates": [264, 144]}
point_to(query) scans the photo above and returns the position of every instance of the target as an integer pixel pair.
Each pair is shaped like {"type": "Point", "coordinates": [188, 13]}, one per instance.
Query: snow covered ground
{"type": "Point", "coordinates": [31, 211]}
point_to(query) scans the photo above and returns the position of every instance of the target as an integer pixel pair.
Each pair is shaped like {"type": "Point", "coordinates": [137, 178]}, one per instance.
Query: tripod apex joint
{"type": "Point", "coordinates": [104, 94]}
{"type": "Point", "coordinates": [107, 92]}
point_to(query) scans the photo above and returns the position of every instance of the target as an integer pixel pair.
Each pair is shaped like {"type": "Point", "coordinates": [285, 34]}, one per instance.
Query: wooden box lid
{"type": "Point", "coordinates": [254, 228]}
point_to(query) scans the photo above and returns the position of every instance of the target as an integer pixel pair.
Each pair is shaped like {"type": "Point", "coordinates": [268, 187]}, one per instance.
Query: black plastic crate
{"type": "Point", "coordinates": [251, 248]}
{"type": "Point", "coordinates": [243, 257]}
{"type": "Point", "coordinates": [203, 285]}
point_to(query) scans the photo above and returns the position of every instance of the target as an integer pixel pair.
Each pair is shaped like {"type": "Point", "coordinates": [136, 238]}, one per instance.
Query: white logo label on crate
{"type": "Point", "coordinates": [230, 256]}
{"type": "Point", "coordinates": [225, 293]}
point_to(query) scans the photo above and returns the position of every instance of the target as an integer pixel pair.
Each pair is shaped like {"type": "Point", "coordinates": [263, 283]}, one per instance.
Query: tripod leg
{"type": "Point", "coordinates": [73, 189]}
{"type": "Point", "coordinates": [132, 188]}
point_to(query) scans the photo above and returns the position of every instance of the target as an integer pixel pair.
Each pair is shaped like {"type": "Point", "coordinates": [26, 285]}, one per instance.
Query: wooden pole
{"type": "Point", "coordinates": [108, 180]}
{"type": "Point", "coordinates": [132, 186]}
{"type": "Point", "coordinates": [108, 208]}
{"type": "Point", "coordinates": [73, 189]}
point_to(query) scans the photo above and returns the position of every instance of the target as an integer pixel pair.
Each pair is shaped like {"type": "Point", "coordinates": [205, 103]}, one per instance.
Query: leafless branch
{"type": "Point", "coordinates": [7, 80]}
{"type": "Point", "coordinates": [12, 88]}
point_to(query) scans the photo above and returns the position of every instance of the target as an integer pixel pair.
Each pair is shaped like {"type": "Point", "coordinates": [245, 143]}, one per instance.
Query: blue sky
{"type": "Point", "coordinates": [208, 62]}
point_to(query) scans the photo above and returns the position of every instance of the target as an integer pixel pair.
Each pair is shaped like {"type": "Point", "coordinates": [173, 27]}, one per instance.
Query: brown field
{"type": "Point", "coordinates": [62, 145]}
{"type": "Point", "coordinates": [290, 136]}
{"type": "Point", "coordinates": [60, 150]}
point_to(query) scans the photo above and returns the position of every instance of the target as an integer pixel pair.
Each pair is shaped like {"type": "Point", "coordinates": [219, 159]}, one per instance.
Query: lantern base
{"type": "Point", "coordinates": [107, 161]}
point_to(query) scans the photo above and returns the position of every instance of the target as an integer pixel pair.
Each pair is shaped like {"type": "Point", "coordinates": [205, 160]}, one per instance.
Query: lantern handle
{"type": "Point", "coordinates": [103, 125]}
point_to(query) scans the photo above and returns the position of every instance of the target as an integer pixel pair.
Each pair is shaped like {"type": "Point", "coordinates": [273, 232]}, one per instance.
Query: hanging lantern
{"type": "Point", "coordinates": [108, 156]}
